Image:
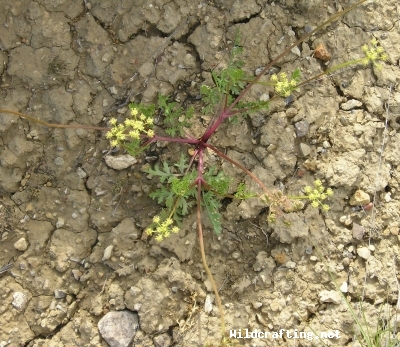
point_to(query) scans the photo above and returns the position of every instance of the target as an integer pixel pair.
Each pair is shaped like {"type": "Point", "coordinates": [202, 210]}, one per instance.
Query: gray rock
{"type": "Point", "coordinates": [301, 128]}
{"type": "Point", "coordinates": [118, 328]}
{"type": "Point", "coordinates": [162, 340]}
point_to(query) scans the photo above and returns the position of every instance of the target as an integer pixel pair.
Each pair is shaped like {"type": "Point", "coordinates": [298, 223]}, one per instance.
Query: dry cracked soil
{"type": "Point", "coordinates": [73, 213]}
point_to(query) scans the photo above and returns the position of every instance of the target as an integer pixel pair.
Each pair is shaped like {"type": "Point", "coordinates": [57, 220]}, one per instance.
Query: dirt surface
{"type": "Point", "coordinates": [73, 227]}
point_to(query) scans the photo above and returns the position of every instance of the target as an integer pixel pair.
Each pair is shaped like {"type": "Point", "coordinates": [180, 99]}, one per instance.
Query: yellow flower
{"type": "Point", "coordinates": [113, 121]}
{"type": "Point", "coordinates": [134, 112]}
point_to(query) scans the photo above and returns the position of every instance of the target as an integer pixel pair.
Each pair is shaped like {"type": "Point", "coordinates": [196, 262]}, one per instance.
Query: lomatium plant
{"type": "Point", "coordinates": [190, 183]}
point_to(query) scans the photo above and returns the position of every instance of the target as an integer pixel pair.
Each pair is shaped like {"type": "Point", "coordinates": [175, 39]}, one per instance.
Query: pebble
{"type": "Point", "coordinates": [290, 264]}
{"type": "Point", "coordinates": [301, 128]}
{"type": "Point", "coordinates": [208, 303]}
{"type": "Point", "coordinates": [107, 253]}
{"type": "Point", "coordinates": [118, 328]}
{"type": "Point", "coordinates": [60, 223]}
{"type": "Point", "coordinates": [363, 252]}
{"type": "Point", "coordinates": [163, 340]}
{"type": "Point", "coordinates": [120, 162]}
{"type": "Point", "coordinates": [77, 274]}
{"type": "Point", "coordinates": [371, 248]}
{"type": "Point", "coordinates": [20, 300]}
{"type": "Point", "coordinates": [21, 244]}
{"type": "Point", "coordinates": [291, 112]}
{"type": "Point", "coordinates": [344, 287]}
{"type": "Point", "coordinates": [256, 304]}
{"type": "Point", "coordinates": [359, 198]}
{"type": "Point", "coordinates": [349, 105]}
{"type": "Point", "coordinates": [330, 296]}
{"type": "Point", "coordinates": [313, 258]}
{"type": "Point", "coordinates": [305, 149]}
{"type": "Point", "coordinates": [358, 231]}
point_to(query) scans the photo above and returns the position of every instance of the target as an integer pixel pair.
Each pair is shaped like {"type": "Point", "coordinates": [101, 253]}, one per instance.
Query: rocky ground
{"type": "Point", "coordinates": [85, 274]}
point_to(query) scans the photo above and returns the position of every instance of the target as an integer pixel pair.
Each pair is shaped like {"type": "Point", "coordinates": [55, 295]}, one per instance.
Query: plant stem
{"type": "Point", "coordinates": [204, 261]}
{"type": "Point", "coordinates": [52, 125]}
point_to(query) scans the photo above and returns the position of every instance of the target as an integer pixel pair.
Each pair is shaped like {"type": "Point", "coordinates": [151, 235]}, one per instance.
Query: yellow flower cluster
{"type": "Point", "coordinates": [374, 54]}
{"type": "Point", "coordinates": [162, 229]}
{"type": "Point", "coordinates": [282, 85]}
{"type": "Point", "coordinates": [132, 128]}
{"type": "Point", "coordinates": [317, 194]}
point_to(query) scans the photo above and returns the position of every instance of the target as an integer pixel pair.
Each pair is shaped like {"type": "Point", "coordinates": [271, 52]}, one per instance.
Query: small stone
{"type": "Point", "coordinates": [350, 249]}
{"type": "Point", "coordinates": [326, 144]}
{"type": "Point", "coordinates": [296, 50]}
{"type": "Point", "coordinates": [358, 231]}
{"type": "Point", "coordinates": [120, 162]}
{"type": "Point", "coordinates": [264, 97]}
{"type": "Point", "coordinates": [344, 287]}
{"type": "Point", "coordinates": [77, 274]}
{"type": "Point", "coordinates": [107, 253]}
{"type": "Point", "coordinates": [113, 90]}
{"type": "Point", "coordinates": [118, 328]}
{"type": "Point", "coordinates": [291, 112]}
{"type": "Point", "coordinates": [363, 252]}
{"type": "Point", "coordinates": [21, 244]}
{"type": "Point", "coordinates": [208, 303]}
{"type": "Point", "coordinates": [349, 105]}
{"type": "Point", "coordinates": [60, 223]}
{"type": "Point", "coordinates": [388, 197]}
{"type": "Point", "coordinates": [290, 264]}
{"type": "Point", "coordinates": [305, 149]}
{"type": "Point", "coordinates": [59, 294]}
{"type": "Point", "coordinates": [105, 57]}
{"type": "Point", "coordinates": [359, 198]}
{"type": "Point", "coordinates": [81, 174]}
{"type": "Point", "coordinates": [371, 248]}
{"type": "Point", "coordinates": [313, 258]}
{"type": "Point", "coordinates": [301, 128]}
{"type": "Point", "coordinates": [256, 304]}
{"type": "Point", "coordinates": [105, 103]}
{"type": "Point", "coordinates": [330, 296]}
{"type": "Point", "coordinates": [163, 340]}
{"type": "Point", "coordinates": [59, 161]}
{"type": "Point", "coordinates": [20, 300]}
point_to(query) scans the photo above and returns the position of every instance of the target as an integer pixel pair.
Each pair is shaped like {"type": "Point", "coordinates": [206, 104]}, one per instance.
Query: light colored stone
{"type": "Point", "coordinates": [344, 287]}
{"type": "Point", "coordinates": [305, 149]}
{"type": "Point", "coordinates": [363, 252]}
{"type": "Point", "coordinates": [118, 328]}
{"type": "Point", "coordinates": [107, 253]}
{"type": "Point", "coordinates": [290, 264]}
{"type": "Point", "coordinates": [330, 296]}
{"type": "Point", "coordinates": [359, 198]}
{"type": "Point", "coordinates": [21, 244]}
{"type": "Point", "coordinates": [349, 105]}
{"type": "Point", "coordinates": [120, 162]}
{"type": "Point", "coordinates": [20, 300]}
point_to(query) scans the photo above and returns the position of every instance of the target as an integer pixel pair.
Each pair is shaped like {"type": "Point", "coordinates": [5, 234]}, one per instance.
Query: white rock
{"type": "Point", "coordinates": [20, 300]}
{"type": "Point", "coordinates": [21, 244]}
{"type": "Point", "coordinates": [120, 162]}
{"type": "Point", "coordinates": [107, 253]}
{"type": "Point", "coordinates": [313, 258]}
{"type": "Point", "coordinates": [330, 296]}
{"type": "Point", "coordinates": [60, 222]}
{"type": "Point", "coordinates": [349, 105]}
{"type": "Point", "coordinates": [290, 264]}
{"type": "Point", "coordinates": [344, 287]}
{"type": "Point", "coordinates": [359, 198]}
{"type": "Point", "coordinates": [256, 304]}
{"type": "Point", "coordinates": [371, 248]}
{"type": "Point", "coordinates": [208, 303]}
{"type": "Point", "coordinates": [363, 252]}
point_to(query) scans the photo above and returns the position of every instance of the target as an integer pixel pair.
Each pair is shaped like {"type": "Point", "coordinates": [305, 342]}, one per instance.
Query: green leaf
{"type": "Point", "coordinates": [212, 206]}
